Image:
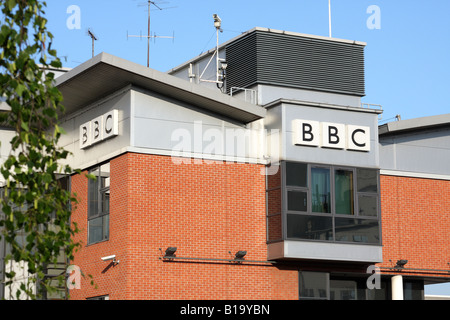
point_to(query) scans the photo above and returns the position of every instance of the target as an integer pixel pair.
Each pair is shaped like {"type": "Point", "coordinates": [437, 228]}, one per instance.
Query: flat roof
{"type": "Point", "coordinates": [414, 124]}
{"type": "Point", "coordinates": [105, 74]}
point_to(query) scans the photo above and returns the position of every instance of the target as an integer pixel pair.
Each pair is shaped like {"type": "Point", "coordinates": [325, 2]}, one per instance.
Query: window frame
{"type": "Point", "coordinates": [99, 212]}
{"type": "Point", "coordinates": [413, 289]}
{"type": "Point", "coordinates": [308, 190]}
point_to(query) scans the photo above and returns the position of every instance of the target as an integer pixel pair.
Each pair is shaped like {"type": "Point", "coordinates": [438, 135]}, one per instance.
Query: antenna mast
{"type": "Point", "coordinates": [149, 3]}
{"type": "Point", "coordinates": [221, 64]}
{"type": "Point", "coordinates": [329, 16]}
{"type": "Point", "coordinates": [94, 38]}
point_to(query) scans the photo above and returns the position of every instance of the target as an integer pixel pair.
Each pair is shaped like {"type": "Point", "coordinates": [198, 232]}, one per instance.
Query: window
{"type": "Point", "coordinates": [335, 286]}
{"type": "Point", "coordinates": [99, 298]}
{"type": "Point", "coordinates": [297, 200]}
{"type": "Point", "coordinates": [98, 204]}
{"type": "Point", "coordinates": [320, 185]}
{"type": "Point", "coordinates": [367, 192]}
{"type": "Point", "coordinates": [331, 203]}
{"type": "Point", "coordinates": [313, 285]}
{"type": "Point", "coordinates": [343, 194]}
{"type": "Point", "coordinates": [298, 176]}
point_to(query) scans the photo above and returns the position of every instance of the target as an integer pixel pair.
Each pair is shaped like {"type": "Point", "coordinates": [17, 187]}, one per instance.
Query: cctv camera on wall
{"type": "Point", "coordinates": [112, 257]}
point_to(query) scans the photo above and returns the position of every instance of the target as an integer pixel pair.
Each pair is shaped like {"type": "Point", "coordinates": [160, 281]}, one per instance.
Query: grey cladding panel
{"type": "Point", "coordinates": [242, 63]}
{"type": "Point", "coordinates": [296, 61]}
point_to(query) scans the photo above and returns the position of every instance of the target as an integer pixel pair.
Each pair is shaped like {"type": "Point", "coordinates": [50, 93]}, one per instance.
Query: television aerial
{"type": "Point", "coordinates": [94, 38]}
{"type": "Point", "coordinates": [149, 36]}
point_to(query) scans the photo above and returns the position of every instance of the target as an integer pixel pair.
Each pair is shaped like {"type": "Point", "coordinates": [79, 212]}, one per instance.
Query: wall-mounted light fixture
{"type": "Point", "coordinates": [170, 252]}
{"type": "Point", "coordinates": [240, 255]}
{"type": "Point", "coordinates": [401, 264]}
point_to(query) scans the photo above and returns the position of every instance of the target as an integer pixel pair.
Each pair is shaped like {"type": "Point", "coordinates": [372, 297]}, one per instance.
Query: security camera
{"type": "Point", "coordinates": [109, 258]}
{"type": "Point", "coordinates": [112, 257]}
{"type": "Point", "coordinates": [217, 21]}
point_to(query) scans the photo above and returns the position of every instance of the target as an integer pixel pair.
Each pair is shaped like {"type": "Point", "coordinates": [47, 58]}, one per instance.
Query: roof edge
{"type": "Point", "coordinates": [414, 124]}
{"type": "Point", "coordinates": [180, 86]}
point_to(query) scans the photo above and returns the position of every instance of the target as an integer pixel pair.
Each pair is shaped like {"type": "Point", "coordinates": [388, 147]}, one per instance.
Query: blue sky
{"type": "Point", "coordinates": [407, 63]}
{"type": "Point", "coordinates": [407, 59]}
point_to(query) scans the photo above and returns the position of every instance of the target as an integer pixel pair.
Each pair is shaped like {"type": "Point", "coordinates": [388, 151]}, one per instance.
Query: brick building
{"type": "Point", "coordinates": [259, 176]}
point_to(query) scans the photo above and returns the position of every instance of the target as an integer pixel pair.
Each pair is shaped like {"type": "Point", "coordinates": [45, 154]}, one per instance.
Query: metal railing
{"type": "Point", "coordinates": [373, 106]}
{"type": "Point", "coordinates": [250, 95]}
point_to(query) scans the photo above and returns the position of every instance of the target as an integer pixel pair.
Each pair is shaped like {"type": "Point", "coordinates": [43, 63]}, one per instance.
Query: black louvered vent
{"type": "Point", "coordinates": [296, 61]}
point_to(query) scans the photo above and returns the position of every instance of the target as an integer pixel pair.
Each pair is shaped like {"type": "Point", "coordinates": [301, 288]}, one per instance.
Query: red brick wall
{"type": "Point", "coordinates": [205, 210]}
{"type": "Point", "coordinates": [108, 279]}
{"type": "Point", "coordinates": [416, 223]}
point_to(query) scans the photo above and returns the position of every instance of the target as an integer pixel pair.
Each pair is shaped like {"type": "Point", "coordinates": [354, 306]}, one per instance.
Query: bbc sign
{"type": "Point", "coordinates": [331, 135]}
{"type": "Point", "coordinates": [99, 129]}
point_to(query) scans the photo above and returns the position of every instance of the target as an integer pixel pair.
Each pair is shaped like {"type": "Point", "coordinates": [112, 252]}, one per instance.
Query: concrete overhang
{"type": "Point", "coordinates": [415, 124]}
{"type": "Point", "coordinates": [324, 251]}
{"type": "Point", "coordinates": [105, 74]}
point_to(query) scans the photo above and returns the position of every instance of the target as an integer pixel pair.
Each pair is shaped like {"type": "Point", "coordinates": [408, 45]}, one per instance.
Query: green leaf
{"type": "Point", "coordinates": [32, 194]}
{"type": "Point", "coordinates": [20, 89]}
{"type": "Point", "coordinates": [11, 4]}
{"type": "Point", "coordinates": [24, 126]}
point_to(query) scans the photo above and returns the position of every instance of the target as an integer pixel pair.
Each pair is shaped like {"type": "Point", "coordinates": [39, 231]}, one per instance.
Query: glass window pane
{"type": "Point", "coordinates": [343, 181]}
{"type": "Point", "coordinates": [105, 202]}
{"type": "Point", "coordinates": [367, 180]}
{"type": "Point", "coordinates": [357, 230]}
{"type": "Point", "coordinates": [313, 285]}
{"type": "Point", "coordinates": [296, 174]}
{"type": "Point", "coordinates": [309, 227]}
{"type": "Point", "coordinates": [413, 290]}
{"type": "Point", "coordinates": [105, 171]}
{"type": "Point", "coordinates": [368, 205]}
{"type": "Point", "coordinates": [93, 186]}
{"type": "Point", "coordinates": [297, 201]}
{"type": "Point", "coordinates": [105, 226]}
{"type": "Point", "coordinates": [320, 190]}
{"type": "Point", "coordinates": [98, 229]}
{"type": "Point", "coordinates": [343, 290]}
{"type": "Point", "coordinates": [378, 294]}
{"type": "Point", "coordinates": [95, 230]}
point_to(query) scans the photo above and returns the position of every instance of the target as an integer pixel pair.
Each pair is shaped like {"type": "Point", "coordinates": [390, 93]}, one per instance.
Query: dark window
{"type": "Point", "coordinates": [320, 190]}
{"type": "Point", "coordinates": [313, 285]}
{"type": "Point", "coordinates": [368, 205]}
{"type": "Point", "coordinates": [309, 227]}
{"type": "Point", "coordinates": [367, 180]}
{"type": "Point", "coordinates": [329, 203]}
{"type": "Point", "coordinates": [297, 174]}
{"type": "Point", "coordinates": [343, 192]}
{"type": "Point", "coordinates": [297, 201]}
{"type": "Point", "coordinates": [98, 199]}
{"type": "Point", "coordinates": [357, 230]}
{"type": "Point", "coordinates": [343, 290]}
{"type": "Point", "coordinates": [413, 290]}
